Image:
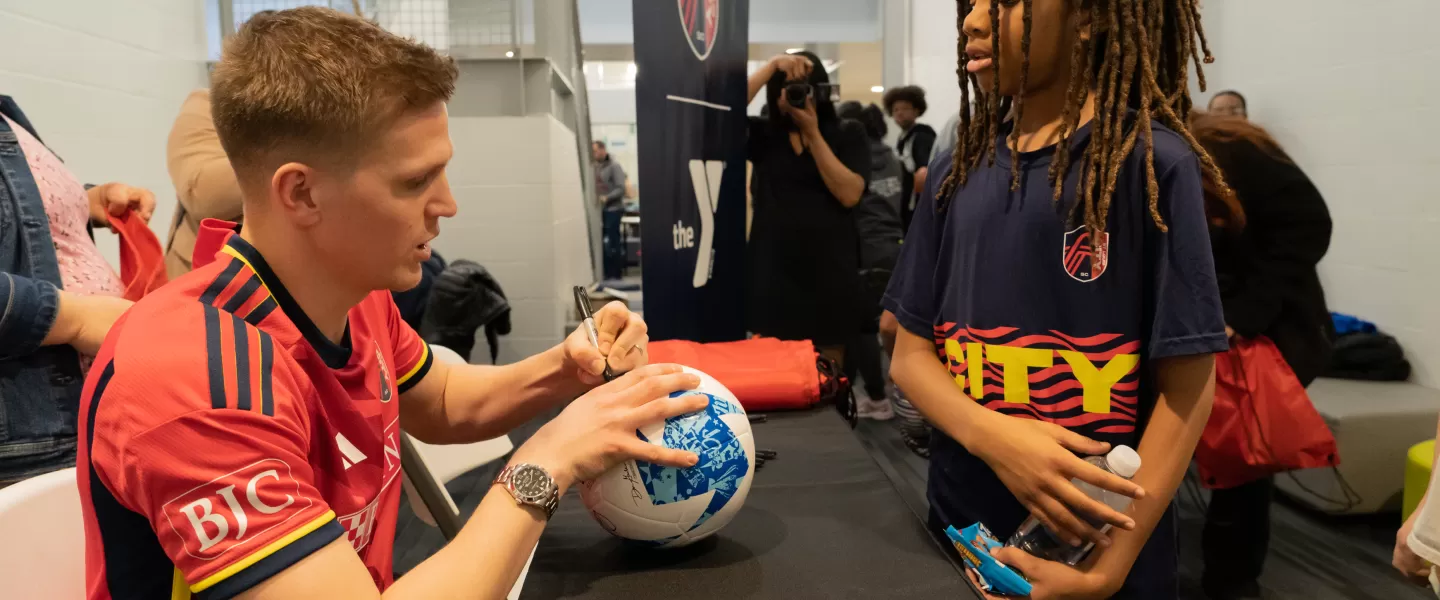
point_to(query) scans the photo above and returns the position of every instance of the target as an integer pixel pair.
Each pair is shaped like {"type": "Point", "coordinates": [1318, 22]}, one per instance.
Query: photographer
{"type": "Point", "coordinates": [810, 169]}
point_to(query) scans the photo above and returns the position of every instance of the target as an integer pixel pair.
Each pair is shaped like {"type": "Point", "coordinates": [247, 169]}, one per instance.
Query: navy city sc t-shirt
{"type": "Point", "coordinates": [1037, 321]}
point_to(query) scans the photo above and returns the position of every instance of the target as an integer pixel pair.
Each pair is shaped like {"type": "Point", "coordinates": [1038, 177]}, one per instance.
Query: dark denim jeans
{"type": "Point", "coordinates": [613, 243]}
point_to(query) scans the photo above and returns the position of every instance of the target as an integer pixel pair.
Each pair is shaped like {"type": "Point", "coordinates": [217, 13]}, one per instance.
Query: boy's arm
{"type": "Point", "coordinates": [1187, 389]}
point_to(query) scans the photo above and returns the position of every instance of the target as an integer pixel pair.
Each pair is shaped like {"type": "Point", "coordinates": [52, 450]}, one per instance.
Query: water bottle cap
{"type": "Point", "coordinates": [1124, 461]}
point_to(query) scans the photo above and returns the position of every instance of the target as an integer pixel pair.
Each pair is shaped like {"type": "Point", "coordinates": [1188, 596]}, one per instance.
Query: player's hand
{"type": "Point", "coordinates": [804, 118]}
{"type": "Point", "coordinates": [597, 431]}
{"type": "Point", "coordinates": [1036, 461]}
{"type": "Point", "coordinates": [115, 199]}
{"type": "Point", "coordinates": [623, 340]}
{"type": "Point", "coordinates": [1050, 580]}
{"type": "Point", "coordinates": [83, 321]}
{"type": "Point", "coordinates": [1410, 565]}
{"type": "Point", "coordinates": [795, 66]}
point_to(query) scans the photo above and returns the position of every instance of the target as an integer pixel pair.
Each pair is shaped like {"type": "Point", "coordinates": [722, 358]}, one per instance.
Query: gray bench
{"type": "Point", "coordinates": [1375, 424]}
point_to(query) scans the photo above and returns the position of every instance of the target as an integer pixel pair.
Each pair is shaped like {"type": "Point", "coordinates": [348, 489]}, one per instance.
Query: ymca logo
{"type": "Point", "coordinates": [1082, 259]}
{"type": "Point", "coordinates": [705, 176]}
{"type": "Point", "coordinates": [701, 20]}
{"type": "Point", "coordinates": [216, 517]}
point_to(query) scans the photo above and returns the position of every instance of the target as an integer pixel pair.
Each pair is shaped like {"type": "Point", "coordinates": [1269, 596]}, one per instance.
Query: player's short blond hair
{"type": "Point", "coordinates": [313, 85]}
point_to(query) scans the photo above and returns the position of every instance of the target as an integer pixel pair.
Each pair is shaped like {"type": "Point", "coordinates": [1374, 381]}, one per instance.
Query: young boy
{"type": "Point", "coordinates": [239, 433]}
{"type": "Point", "coordinates": [1059, 265]}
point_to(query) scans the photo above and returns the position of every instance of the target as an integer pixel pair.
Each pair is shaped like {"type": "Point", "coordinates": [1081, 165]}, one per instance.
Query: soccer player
{"type": "Point", "coordinates": [1059, 266]}
{"type": "Point", "coordinates": [240, 430]}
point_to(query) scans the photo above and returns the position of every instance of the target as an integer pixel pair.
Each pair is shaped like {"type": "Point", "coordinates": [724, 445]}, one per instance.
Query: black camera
{"type": "Point", "coordinates": [797, 93]}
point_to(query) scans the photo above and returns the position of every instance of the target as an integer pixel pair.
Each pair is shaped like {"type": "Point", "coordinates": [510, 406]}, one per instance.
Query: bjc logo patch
{"type": "Point", "coordinates": [235, 508]}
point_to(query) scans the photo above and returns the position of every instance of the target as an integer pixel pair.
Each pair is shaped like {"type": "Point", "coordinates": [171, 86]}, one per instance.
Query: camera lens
{"type": "Point", "coordinates": [797, 93]}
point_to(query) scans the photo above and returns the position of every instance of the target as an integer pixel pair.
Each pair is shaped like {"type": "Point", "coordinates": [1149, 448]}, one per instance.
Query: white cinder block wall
{"type": "Point", "coordinates": [1355, 116]}
{"type": "Point", "coordinates": [102, 81]}
{"type": "Point", "coordinates": [516, 181]}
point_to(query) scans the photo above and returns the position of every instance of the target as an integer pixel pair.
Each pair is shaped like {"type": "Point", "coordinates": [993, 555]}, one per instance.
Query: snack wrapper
{"type": "Point", "coordinates": [974, 544]}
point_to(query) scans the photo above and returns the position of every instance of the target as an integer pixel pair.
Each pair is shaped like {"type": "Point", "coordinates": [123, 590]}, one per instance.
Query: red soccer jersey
{"type": "Point", "coordinates": [222, 440]}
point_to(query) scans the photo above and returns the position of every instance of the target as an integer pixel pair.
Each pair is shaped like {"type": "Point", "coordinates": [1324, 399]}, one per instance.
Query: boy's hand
{"type": "Point", "coordinates": [1054, 581]}
{"type": "Point", "coordinates": [1036, 461]}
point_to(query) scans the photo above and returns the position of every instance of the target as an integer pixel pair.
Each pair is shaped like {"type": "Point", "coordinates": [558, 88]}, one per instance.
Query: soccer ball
{"type": "Point", "coordinates": [668, 507]}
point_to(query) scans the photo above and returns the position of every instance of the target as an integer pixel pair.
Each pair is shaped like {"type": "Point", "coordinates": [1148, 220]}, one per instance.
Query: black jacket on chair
{"type": "Point", "coordinates": [1268, 282]}
{"type": "Point", "coordinates": [466, 297]}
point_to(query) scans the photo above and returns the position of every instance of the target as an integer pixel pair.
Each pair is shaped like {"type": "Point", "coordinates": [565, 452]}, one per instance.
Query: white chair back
{"type": "Point", "coordinates": [42, 538]}
{"type": "Point", "coordinates": [445, 463]}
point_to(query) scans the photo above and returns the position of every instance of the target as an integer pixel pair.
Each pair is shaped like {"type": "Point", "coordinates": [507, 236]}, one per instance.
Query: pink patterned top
{"type": "Point", "coordinates": [82, 269]}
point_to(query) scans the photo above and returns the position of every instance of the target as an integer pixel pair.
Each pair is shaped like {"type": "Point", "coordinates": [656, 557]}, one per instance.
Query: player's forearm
{"type": "Point", "coordinates": [483, 402]}
{"type": "Point", "coordinates": [484, 560]}
{"type": "Point", "coordinates": [932, 390]}
{"type": "Point", "coordinates": [847, 186]}
{"type": "Point", "coordinates": [1187, 390]}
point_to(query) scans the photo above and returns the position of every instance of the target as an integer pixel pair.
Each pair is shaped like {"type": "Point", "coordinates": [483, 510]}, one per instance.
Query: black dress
{"type": "Point", "coordinates": [803, 258]}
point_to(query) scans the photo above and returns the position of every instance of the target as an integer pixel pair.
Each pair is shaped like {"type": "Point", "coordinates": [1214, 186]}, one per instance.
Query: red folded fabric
{"type": "Point", "coordinates": [142, 260]}
{"type": "Point", "coordinates": [209, 240]}
{"type": "Point", "coordinates": [763, 373]}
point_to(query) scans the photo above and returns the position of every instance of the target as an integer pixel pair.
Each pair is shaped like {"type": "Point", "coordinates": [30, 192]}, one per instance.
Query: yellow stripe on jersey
{"type": "Point", "coordinates": [178, 589]}
{"type": "Point", "coordinates": [260, 554]}
{"type": "Point", "coordinates": [424, 354]}
{"type": "Point", "coordinates": [236, 253]}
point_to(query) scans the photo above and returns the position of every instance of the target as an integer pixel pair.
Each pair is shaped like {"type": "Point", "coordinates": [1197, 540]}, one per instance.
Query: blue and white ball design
{"type": "Point", "coordinates": [669, 507]}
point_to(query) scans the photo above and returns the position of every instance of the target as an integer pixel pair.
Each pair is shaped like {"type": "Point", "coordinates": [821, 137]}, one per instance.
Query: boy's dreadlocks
{"type": "Point", "coordinates": [1137, 57]}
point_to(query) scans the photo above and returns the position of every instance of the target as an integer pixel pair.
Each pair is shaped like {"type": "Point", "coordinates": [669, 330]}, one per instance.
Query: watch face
{"type": "Point", "coordinates": [531, 482]}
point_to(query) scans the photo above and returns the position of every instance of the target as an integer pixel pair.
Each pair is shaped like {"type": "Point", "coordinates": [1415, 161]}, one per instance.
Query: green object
{"type": "Point", "coordinates": [1418, 463]}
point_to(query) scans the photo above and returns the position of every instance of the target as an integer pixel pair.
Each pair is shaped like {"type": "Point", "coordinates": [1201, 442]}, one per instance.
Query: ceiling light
{"type": "Point", "coordinates": [877, 88]}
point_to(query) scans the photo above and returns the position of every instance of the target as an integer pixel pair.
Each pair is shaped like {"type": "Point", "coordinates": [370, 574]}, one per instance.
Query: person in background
{"type": "Point", "coordinates": [810, 170]}
{"type": "Point", "coordinates": [948, 133]}
{"type": "Point", "coordinates": [877, 220]}
{"type": "Point", "coordinates": [205, 185]}
{"type": "Point", "coordinates": [58, 296]}
{"type": "Point", "coordinates": [1417, 544]}
{"type": "Point", "coordinates": [610, 185]}
{"type": "Point", "coordinates": [1229, 103]}
{"type": "Point", "coordinates": [1267, 236]}
{"type": "Point", "coordinates": [905, 105]}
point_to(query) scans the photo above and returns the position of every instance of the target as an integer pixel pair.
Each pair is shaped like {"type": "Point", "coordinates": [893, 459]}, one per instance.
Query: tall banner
{"type": "Point", "coordinates": [690, 88]}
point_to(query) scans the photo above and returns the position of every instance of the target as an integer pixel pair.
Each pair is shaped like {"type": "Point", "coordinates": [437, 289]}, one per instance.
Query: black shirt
{"type": "Point", "coordinates": [803, 256]}
{"type": "Point", "coordinates": [1268, 282]}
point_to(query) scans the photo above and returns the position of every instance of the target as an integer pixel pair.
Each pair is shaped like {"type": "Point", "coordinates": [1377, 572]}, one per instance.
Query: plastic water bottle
{"type": "Point", "coordinates": [1035, 538]}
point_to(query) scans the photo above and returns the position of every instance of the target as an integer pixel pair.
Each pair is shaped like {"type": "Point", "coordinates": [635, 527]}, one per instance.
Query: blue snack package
{"type": "Point", "coordinates": [974, 545]}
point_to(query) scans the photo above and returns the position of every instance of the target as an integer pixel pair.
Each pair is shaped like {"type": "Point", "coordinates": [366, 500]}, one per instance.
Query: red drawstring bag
{"type": "Point", "coordinates": [1262, 422]}
{"type": "Point", "coordinates": [142, 261]}
{"type": "Point", "coordinates": [763, 373]}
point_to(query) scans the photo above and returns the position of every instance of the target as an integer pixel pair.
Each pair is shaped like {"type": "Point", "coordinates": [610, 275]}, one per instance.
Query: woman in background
{"type": "Point", "coordinates": [810, 170]}
{"type": "Point", "coordinates": [1268, 238]}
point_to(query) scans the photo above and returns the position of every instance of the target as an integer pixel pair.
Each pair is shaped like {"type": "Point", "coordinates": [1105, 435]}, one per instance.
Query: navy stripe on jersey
{"type": "Point", "coordinates": [135, 564]}
{"type": "Point", "coordinates": [267, 567]}
{"type": "Point", "coordinates": [259, 313]}
{"type": "Point", "coordinates": [243, 294]}
{"type": "Point", "coordinates": [419, 373]}
{"type": "Point", "coordinates": [100, 386]}
{"type": "Point", "coordinates": [267, 363]}
{"type": "Point", "coordinates": [242, 364]}
{"type": "Point", "coordinates": [215, 358]}
{"type": "Point", "coordinates": [336, 356]}
{"type": "Point", "coordinates": [221, 282]}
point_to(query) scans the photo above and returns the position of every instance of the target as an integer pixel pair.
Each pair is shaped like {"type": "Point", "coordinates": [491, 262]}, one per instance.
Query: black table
{"type": "Point", "coordinates": [821, 521]}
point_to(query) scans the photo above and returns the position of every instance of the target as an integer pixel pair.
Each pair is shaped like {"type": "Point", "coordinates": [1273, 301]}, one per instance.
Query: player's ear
{"type": "Point", "coordinates": [293, 187]}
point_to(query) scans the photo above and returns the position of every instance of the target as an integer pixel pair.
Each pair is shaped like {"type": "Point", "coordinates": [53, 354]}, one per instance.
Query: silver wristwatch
{"type": "Point", "coordinates": [531, 485]}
